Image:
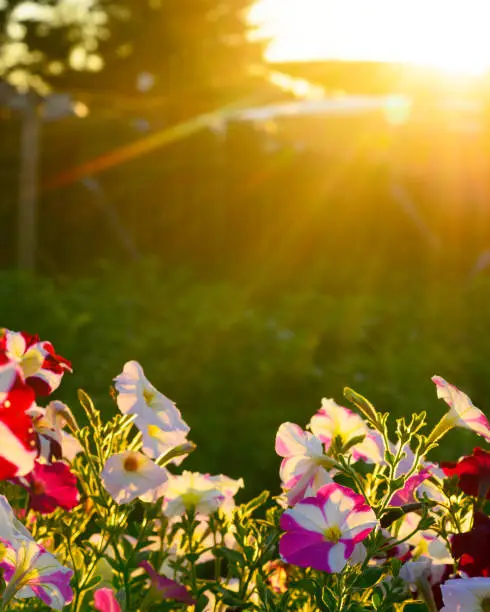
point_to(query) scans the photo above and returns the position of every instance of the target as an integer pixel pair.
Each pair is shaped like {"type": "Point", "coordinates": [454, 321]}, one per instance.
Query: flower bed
{"type": "Point", "coordinates": [105, 517]}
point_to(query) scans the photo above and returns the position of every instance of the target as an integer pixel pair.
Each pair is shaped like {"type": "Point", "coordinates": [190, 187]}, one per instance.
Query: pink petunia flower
{"type": "Point", "coordinates": [105, 600]}
{"type": "Point", "coordinates": [461, 413]}
{"type": "Point", "coordinates": [334, 421]}
{"type": "Point", "coordinates": [50, 486]}
{"type": "Point", "coordinates": [41, 367]}
{"type": "Point", "coordinates": [167, 588]}
{"type": "Point", "coordinates": [303, 465]}
{"type": "Point", "coordinates": [323, 531]}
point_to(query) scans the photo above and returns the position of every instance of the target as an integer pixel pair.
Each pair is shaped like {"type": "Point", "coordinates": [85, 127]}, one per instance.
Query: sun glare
{"type": "Point", "coordinates": [451, 35]}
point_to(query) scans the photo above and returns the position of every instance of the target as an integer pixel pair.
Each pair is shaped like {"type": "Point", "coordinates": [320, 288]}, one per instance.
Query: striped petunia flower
{"type": "Point", "coordinates": [304, 462]}
{"type": "Point", "coordinates": [18, 449]}
{"type": "Point", "coordinates": [335, 421]}
{"type": "Point", "coordinates": [30, 571]}
{"type": "Point", "coordinates": [322, 532]}
{"type": "Point", "coordinates": [462, 412]}
{"type": "Point", "coordinates": [41, 367]}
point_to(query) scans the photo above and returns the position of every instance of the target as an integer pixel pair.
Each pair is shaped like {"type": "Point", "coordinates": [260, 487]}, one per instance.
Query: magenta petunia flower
{"type": "Point", "coordinates": [105, 600]}
{"type": "Point", "coordinates": [167, 588]}
{"type": "Point", "coordinates": [50, 486]}
{"type": "Point", "coordinates": [41, 367]}
{"type": "Point", "coordinates": [462, 412]}
{"type": "Point", "coordinates": [322, 531]}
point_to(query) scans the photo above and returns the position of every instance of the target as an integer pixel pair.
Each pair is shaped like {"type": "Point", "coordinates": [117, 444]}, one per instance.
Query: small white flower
{"type": "Point", "coordinates": [129, 475]}
{"type": "Point", "coordinates": [466, 595]}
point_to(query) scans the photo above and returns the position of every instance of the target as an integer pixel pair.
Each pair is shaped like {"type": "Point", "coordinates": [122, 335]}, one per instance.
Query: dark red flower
{"type": "Point", "coordinates": [473, 473]}
{"type": "Point", "coordinates": [18, 441]}
{"type": "Point", "coordinates": [50, 486]}
{"type": "Point", "coordinates": [472, 548]}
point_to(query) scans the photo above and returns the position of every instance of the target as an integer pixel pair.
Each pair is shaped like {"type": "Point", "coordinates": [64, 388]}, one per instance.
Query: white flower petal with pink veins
{"type": "Point", "coordinates": [129, 475]}
{"type": "Point", "coordinates": [462, 412]}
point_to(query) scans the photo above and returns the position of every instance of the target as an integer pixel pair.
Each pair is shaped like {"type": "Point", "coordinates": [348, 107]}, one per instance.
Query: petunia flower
{"type": "Point", "coordinates": [167, 588]}
{"type": "Point", "coordinates": [426, 543]}
{"type": "Point", "coordinates": [303, 464]}
{"type": "Point", "coordinates": [10, 527]}
{"type": "Point", "coordinates": [30, 571]}
{"type": "Point", "coordinates": [202, 493]}
{"type": "Point", "coordinates": [48, 425]}
{"type": "Point", "coordinates": [105, 600]}
{"type": "Point", "coordinates": [50, 486]}
{"type": "Point", "coordinates": [129, 475]}
{"type": "Point", "coordinates": [473, 473]}
{"type": "Point", "coordinates": [470, 549]}
{"type": "Point", "coordinates": [466, 595]}
{"type": "Point", "coordinates": [18, 442]}
{"type": "Point", "coordinates": [461, 412]}
{"type": "Point", "coordinates": [8, 373]}
{"type": "Point", "coordinates": [334, 421]}
{"type": "Point", "coordinates": [156, 416]}
{"type": "Point", "coordinates": [323, 531]}
{"type": "Point", "coordinates": [41, 367]}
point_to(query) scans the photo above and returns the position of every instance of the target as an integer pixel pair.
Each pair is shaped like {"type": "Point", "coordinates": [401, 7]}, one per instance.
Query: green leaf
{"type": "Point", "coordinates": [364, 405]}
{"type": "Point", "coordinates": [232, 556]}
{"type": "Point", "coordinates": [415, 606]}
{"type": "Point", "coordinates": [255, 503]}
{"type": "Point", "coordinates": [369, 577]}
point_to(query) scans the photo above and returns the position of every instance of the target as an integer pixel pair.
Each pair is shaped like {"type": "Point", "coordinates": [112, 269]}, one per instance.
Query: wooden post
{"type": "Point", "coordinates": [28, 188]}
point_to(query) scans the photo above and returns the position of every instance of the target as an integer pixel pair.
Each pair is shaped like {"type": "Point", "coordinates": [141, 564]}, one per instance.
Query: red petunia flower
{"type": "Point", "coordinates": [41, 367]}
{"type": "Point", "coordinates": [18, 441]}
{"type": "Point", "coordinates": [473, 473]}
{"type": "Point", "coordinates": [50, 486]}
{"type": "Point", "coordinates": [472, 548]}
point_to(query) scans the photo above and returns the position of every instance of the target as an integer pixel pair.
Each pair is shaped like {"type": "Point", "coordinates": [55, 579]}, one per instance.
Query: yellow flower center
{"type": "Point", "coordinates": [332, 534]}
{"type": "Point", "coordinates": [149, 396]}
{"type": "Point", "coordinates": [131, 463]}
{"type": "Point", "coordinates": [31, 362]}
{"type": "Point", "coordinates": [191, 498]}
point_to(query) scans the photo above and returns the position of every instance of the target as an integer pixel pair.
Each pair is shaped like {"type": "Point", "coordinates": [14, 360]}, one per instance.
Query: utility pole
{"type": "Point", "coordinates": [28, 187]}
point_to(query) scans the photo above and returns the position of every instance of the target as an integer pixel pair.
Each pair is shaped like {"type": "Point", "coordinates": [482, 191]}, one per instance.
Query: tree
{"type": "Point", "coordinates": [199, 46]}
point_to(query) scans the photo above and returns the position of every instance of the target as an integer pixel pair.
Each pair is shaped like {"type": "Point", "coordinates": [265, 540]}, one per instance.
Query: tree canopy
{"type": "Point", "coordinates": [128, 45]}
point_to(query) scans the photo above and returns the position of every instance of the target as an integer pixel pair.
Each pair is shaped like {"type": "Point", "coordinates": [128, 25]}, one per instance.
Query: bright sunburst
{"type": "Point", "coordinates": [448, 34]}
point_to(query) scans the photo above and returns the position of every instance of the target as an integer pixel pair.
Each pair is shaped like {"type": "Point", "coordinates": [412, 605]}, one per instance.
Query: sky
{"type": "Point", "coordinates": [449, 34]}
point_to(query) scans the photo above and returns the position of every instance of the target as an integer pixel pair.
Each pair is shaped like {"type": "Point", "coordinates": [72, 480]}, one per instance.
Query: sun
{"type": "Point", "coordinates": [450, 35]}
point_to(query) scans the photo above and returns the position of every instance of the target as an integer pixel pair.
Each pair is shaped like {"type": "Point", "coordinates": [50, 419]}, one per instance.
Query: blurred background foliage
{"type": "Point", "coordinates": [255, 266]}
{"type": "Point", "coordinates": [240, 360]}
